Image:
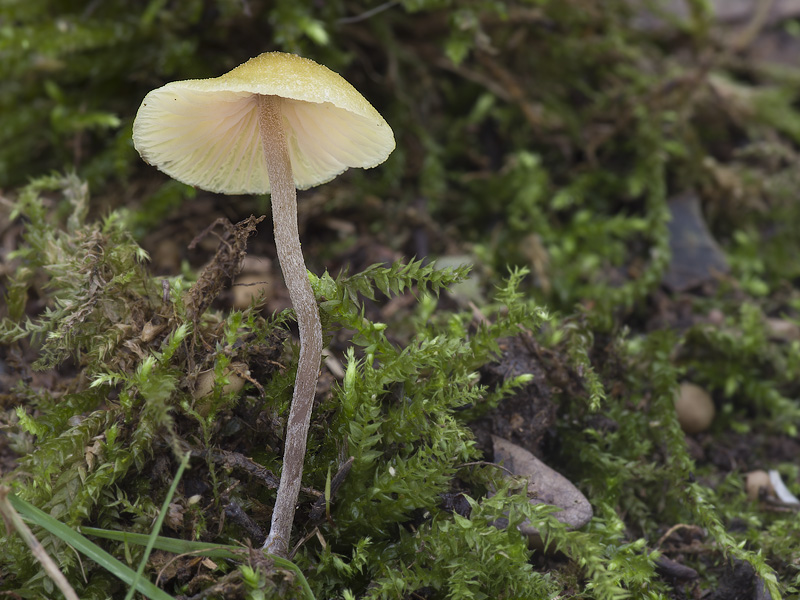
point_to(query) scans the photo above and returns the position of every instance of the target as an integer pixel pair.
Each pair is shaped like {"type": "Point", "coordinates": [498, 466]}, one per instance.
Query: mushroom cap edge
{"type": "Point", "coordinates": [205, 132]}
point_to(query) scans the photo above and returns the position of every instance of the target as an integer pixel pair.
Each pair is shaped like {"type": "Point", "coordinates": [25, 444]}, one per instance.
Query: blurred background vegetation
{"type": "Point", "coordinates": [532, 133]}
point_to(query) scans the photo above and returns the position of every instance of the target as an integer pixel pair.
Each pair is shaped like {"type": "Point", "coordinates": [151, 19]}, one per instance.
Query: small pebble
{"type": "Point", "coordinates": [695, 408]}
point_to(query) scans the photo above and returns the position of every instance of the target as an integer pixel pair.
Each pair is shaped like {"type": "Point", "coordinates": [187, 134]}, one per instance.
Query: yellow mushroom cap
{"type": "Point", "coordinates": [205, 132]}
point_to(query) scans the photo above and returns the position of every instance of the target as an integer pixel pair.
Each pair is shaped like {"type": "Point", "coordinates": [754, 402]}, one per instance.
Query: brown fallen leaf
{"type": "Point", "coordinates": [545, 486]}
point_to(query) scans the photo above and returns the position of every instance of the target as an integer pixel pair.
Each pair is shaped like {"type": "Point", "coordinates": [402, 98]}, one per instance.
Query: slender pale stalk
{"type": "Point", "coordinates": [290, 256]}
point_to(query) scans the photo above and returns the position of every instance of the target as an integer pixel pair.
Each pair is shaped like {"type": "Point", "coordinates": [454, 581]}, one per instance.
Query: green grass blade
{"type": "Point", "coordinates": [173, 545]}
{"type": "Point", "coordinates": [177, 546]}
{"type": "Point", "coordinates": [87, 548]}
{"type": "Point", "coordinates": [157, 527]}
{"type": "Point", "coordinates": [14, 521]}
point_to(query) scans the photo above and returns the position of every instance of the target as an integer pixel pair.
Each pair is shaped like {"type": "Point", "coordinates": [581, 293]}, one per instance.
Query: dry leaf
{"type": "Point", "coordinates": [545, 486]}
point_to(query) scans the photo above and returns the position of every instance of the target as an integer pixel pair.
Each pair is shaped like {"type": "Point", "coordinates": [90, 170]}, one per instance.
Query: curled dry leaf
{"type": "Point", "coordinates": [93, 452]}
{"type": "Point", "coordinates": [780, 488]}
{"type": "Point", "coordinates": [152, 329]}
{"type": "Point", "coordinates": [174, 519]}
{"type": "Point", "coordinates": [545, 486]}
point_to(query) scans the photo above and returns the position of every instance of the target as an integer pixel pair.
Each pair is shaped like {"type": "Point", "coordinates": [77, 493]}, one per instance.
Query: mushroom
{"type": "Point", "coordinates": [755, 481]}
{"type": "Point", "coordinates": [273, 124]}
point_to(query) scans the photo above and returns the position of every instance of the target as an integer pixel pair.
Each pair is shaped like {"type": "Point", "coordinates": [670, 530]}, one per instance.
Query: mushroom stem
{"type": "Point", "coordinates": [290, 256]}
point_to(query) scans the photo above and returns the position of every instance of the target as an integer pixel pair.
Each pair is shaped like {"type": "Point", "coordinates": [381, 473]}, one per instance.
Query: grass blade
{"type": "Point", "coordinates": [14, 521]}
{"type": "Point", "coordinates": [87, 548]}
{"type": "Point", "coordinates": [157, 527]}
{"type": "Point", "coordinates": [177, 546]}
